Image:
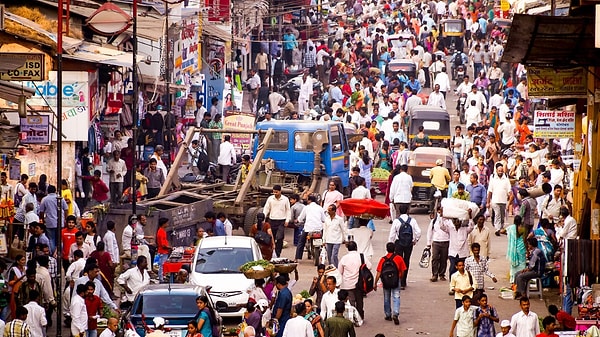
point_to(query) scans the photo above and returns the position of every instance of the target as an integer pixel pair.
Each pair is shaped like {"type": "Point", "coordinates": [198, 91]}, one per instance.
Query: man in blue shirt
{"type": "Point", "coordinates": [477, 193]}
{"type": "Point", "coordinates": [49, 212]}
{"type": "Point", "coordinates": [413, 84]}
{"type": "Point", "coordinates": [289, 43]}
{"type": "Point", "coordinates": [220, 227]}
{"type": "Point", "coordinates": [283, 304]}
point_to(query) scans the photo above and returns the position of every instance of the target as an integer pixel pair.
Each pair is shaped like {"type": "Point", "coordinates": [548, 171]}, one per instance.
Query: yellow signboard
{"type": "Point", "coordinates": [504, 5]}
{"type": "Point", "coordinates": [549, 82]}
{"type": "Point", "coordinates": [21, 67]}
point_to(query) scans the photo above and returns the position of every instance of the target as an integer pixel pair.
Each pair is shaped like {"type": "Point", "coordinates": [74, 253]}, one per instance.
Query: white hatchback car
{"type": "Point", "coordinates": [216, 265]}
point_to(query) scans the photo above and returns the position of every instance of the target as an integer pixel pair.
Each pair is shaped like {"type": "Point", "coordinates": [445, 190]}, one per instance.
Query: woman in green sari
{"type": "Point", "coordinates": [517, 250]}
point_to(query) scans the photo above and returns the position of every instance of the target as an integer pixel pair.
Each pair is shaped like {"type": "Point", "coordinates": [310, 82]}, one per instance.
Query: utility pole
{"type": "Point", "coordinates": [59, 123]}
{"type": "Point", "coordinates": [167, 63]}
{"type": "Point", "coordinates": [136, 116]}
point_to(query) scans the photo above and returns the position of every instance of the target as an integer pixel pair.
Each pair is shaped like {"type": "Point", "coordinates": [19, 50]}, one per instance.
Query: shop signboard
{"type": "Point", "coordinates": [21, 67]}
{"type": "Point", "coordinates": [214, 72]}
{"type": "Point", "coordinates": [240, 120]}
{"type": "Point", "coordinates": [554, 124]}
{"type": "Point", "coordinates": [551, 82]}
{"type": "Point", "coordinates": [75, 112]}
{"type": "Point", "coordinates": [35, 129]}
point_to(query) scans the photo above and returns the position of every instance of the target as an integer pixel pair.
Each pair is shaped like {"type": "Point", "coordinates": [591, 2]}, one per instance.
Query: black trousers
{"type": "Point", "coordinates": [278, 229]}
{"type": "Point", "coordinates": [356, 297]}
{"type": "Point", "coordinates": [405, 252]}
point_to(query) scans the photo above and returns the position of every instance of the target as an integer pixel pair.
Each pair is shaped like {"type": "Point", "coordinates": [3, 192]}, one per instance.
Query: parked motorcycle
{"type": "Point", "coordinates": [314, 243]}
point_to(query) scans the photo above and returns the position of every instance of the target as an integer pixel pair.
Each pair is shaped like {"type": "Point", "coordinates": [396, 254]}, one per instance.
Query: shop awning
{"type": "Point", "coordinates": [88, 52]}
{"type": "Point", "coordinates": [551, 41]}
{"type": "Point", "coordinates": [11, 91]}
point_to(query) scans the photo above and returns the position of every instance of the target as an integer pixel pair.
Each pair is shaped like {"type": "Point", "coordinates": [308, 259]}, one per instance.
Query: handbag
{"type": "Point", "coordinates": [262, 238]}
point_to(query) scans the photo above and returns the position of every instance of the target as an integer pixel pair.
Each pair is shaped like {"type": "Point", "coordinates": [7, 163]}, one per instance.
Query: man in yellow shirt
{"type": "Point", "coordinates": [440, 177]}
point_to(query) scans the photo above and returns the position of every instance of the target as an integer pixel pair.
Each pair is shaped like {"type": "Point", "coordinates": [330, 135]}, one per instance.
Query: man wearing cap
{"type": "Point", "coordinates": [505, 327]}
{"type": "Point", "coordinates": [440, 177]}
{"type": "Point", "coordinates": [159, 326]}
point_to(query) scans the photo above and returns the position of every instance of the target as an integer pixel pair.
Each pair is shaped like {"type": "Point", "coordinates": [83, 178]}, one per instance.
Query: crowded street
{"type": "Point", "coordinates": [299, 169]}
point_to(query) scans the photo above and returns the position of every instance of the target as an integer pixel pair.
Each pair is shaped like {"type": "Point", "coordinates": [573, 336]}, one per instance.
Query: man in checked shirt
{"type": "Point", "coordinates": [478, 267]}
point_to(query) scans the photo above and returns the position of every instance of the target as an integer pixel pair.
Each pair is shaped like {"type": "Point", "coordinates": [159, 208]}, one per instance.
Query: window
{"type": "Point", "coordinates": [429, 125]}
{"type": "Point", "coordinates": [303, 141]}
{"type": "Point", "coordinates": [222, 260]}
{"type": "Point", "coordinates": [278, 142]}
{"type": "Point", "coordinates": [168, 304]}
{"type": "Point", "coordinates": [336, 139]}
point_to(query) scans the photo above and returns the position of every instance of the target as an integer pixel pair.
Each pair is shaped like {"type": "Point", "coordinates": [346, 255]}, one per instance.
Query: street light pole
{"type": "Point", "coordinates": [136, 116]}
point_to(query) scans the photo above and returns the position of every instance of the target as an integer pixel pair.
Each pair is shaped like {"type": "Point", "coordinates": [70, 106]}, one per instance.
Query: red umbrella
{"type": "Point", "coordinates": [364, 208]}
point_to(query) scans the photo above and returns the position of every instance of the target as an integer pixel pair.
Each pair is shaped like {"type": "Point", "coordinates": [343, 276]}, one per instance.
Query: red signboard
{"type": "Point", "coordinates": [218, 10]}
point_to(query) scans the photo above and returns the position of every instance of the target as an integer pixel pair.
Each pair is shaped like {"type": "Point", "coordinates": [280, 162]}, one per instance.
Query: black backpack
{"type": "Point", "coordinates": [458, 60]}
{"type": "Point", "coordinates": [203, 160]}
{"type": "Point", "coordinates": [405, 234]}
{"type": "Point", "coordinates": [278, 68]}
{"type": "Point", "coordinates": [390, 277]}
{"type": "Point", "coordinates": [366, 280]}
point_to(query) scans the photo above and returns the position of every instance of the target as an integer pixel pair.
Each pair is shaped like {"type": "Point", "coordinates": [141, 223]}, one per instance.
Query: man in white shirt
{"type": "Point", "coordinates": [412, 101]}
{"type": "Point", "coordinates": [298, 326]}
{"type": "Point", "coordinates": [110, 242]}
{"type": "Point", "coordinates": [75, 268]}
{"type": "Point", "coordinates": [401, 191]}
{"type": "Point", "coordinates": [135, 279]}
{"type": "Point", "coordinates": [349, 268]}
{"type": "Point", "coordinates": [443, 81]}
{"type": "Point", "coordinates": [111, 328]}
{"type": "Point", "coordinates": [499, 190]}
{"type": "Point", "coordinates": [79, 317]}
{"type": "Point", "coordinates": [127, 237]}
{"type": "Point", "coordinates": [507, 130]}
{"type": "Point", "coordinates": [567, 228]}
{"type": "Point", "coordinates": [360, 191]}
{"type": "Point", "coordinates": [36, 315]}
{"type": "Point", "coordinates": [478, 97]}
{"type": "Point", "coordinates": [306, 91]}
{"type": "Point", "coordinates": [312, 216]}
{"type": "Point", "coordinates": [329, 297]}
{"type": "Point", "coordinates": [278, 210]}
{"type": "Point", "coordinates": [438, 240]}
{"type": "Point", "coordinates": [334, 234]}
{"type": "Point", "coordinates": [395, 133]}
{"type": "Point", "coordinates": [458, 247]}
{"type": "Point", "coordinates": [436, 98]}
{"type": "Point", "coordinates": [525, 323]}
{"type": "Point", "coordinates": [366, 142]}
{"type": "Point", "coordinates": [472, 113]}
{"type": "Point", "coordinates": [464, 87]}
{"type": "Point", "coordinates": [117, 169]}
{"type": "Point", "coordinates": [227, 157]}
{"type": "Point", "coordinates": [557, 174]}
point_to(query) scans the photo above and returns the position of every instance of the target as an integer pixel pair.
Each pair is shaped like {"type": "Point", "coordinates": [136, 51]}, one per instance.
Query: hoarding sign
{"type": "Point", "coordinates": [21, 67]}
{"type": "Point", "coordinates": [564, 83]}
{"type": "Point", "coordinates": [35, 130]}
{"type": "Point", "coordinates": [554, 124]}
{"type": "Point", "coordinates": [240, 120]}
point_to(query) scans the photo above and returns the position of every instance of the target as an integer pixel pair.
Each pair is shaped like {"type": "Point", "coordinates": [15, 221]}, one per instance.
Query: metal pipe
{"type": "Point", "coordinates": [135, 109]}
{"type": "Point", "coordinates": [59, 91]}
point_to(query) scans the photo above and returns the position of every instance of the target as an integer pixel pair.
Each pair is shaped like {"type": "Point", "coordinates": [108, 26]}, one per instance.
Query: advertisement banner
{"type": "Point", "coordinates": [564, 83]}
{"type": "Point", "coordinates": [240, 120]}
{"type": "Point", "coordinates": [186, 55]}
{"type": "Point", "coordinates": [214, 73]}
{"type": "Point", "coordinates": [234, 103]}
{"type": "Point", "coordinates": [35, 130]}
{"type": "Point", "coordinates": [554, 124]}
{"type": "Point", "coordinates": [218, 10]}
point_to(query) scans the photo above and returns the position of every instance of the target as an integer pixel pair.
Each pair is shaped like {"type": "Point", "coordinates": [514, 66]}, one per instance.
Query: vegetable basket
{"type": "Point", "coordinates": [285, 267]}
{"type": "Point", "coordinates": [259, 273]}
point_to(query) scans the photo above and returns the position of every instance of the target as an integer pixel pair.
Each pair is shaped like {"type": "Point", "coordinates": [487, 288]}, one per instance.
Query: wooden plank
{"type": "Point", "coordinates": [254, 169]}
